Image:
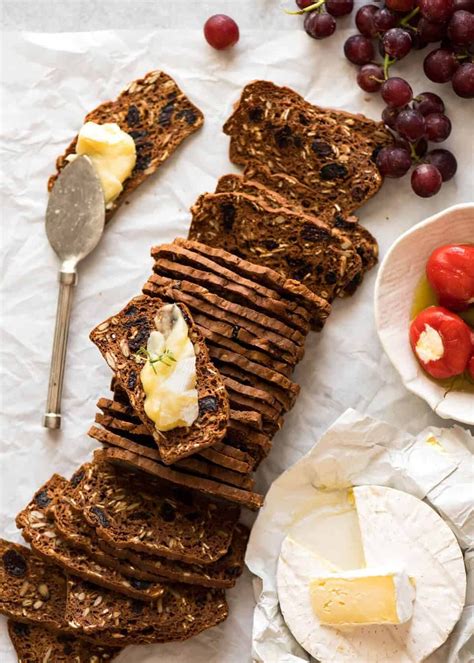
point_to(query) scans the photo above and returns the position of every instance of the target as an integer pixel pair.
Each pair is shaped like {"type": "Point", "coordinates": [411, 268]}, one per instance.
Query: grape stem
{"type": "Point", "coordinates": [387, 63]}
{"type": "Point", "coordinates": [311, 8]}
{"type": "Point", "coordinates": [406, 19]}
{"type": "Point", "coordinates": [413, 153]}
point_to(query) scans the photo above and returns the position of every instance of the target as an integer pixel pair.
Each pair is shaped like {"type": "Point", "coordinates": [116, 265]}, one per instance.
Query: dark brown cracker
{"type": "Point", "coordinates": [303, 197]}
{"type": "Point", "coordinates": [281, 190]}
{"type": "Point", "coordinates": [180, 614]}
{"type": "Point", "coordinates": [192, 465]}
{"type": "Point", "coordinates": [297, 245]}
{"type": "Point", "coordinates": [292, 291]}
{"type": "Point", "coordinates": [40, 532]}
{"type": "Point", "coordinates": [35, 644]}
{"type": "Point", "coordinates": [121, 336]}
{"type": "Point", "coordinates": [158, 116]}
{"type": "Point", "coordinates": [204, 485]}
{"type": "Point", "coordinates": [222, 573]}
{"type": "Point", "coordinates": [31, 590]}
{"type": "Point", "coordinates": [156, 518]}
{"type": "Point", "coordinates": [173, 261]}
{"type": "Point", "coordinates": [333, 151]}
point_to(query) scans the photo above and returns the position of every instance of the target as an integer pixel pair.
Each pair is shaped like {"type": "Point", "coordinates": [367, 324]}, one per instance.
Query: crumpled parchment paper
{"type": "Point", "coordinates": [48, 83]}
{"type": "Point", "coordinates": [436, 466]}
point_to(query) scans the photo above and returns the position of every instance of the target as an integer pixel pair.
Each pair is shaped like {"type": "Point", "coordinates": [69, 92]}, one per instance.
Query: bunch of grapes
{"type": "Point", "coordinates": [320, 15]}
{"type": "Point", "coordinates": [398, 27]}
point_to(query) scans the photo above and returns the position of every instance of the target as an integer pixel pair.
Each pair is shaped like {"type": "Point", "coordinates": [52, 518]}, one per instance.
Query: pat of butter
{"type": "Point", "coordinates": [362, 597]}
{"type": "Point", "coordinates": [169, 374]}
{"type": "Point", "coordinates": [112, 152]}
{"type": "Point", "coordinates": [430, 345]}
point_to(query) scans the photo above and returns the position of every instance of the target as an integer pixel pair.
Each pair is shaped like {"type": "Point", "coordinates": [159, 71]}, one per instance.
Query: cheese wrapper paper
{"type": "Point", "coordinates": [435, 466]}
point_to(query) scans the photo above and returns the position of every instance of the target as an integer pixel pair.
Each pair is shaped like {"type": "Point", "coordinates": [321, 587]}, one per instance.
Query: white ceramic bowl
{"type": "Point", "coordinates": [398, 276]}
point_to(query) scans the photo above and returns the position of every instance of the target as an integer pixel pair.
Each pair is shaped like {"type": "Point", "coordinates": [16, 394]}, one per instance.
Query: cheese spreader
{"type": "Point", "coordinates": [75, 220]}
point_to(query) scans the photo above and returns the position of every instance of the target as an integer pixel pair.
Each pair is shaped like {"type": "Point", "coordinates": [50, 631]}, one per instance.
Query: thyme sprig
{"type": "Point", "coordinates": [167, 357]}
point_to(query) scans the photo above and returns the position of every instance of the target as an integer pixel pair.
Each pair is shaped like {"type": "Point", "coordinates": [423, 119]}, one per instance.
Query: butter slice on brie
{"type": "Point", "coordinates": [362, 597]}
{"type": "Point", "coordinates": [169, 374]}
{"type": "Point", "coordinates": [112, 152]}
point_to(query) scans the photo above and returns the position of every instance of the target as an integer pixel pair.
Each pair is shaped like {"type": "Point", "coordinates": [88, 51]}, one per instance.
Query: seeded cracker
{"type": "Point", "coordinates": [35, 644]}
{"type": "Point", "coordinates": [126, 513]}
{"type": "Point", "coordinates": [122, 336]}
{"type": "Point", "coordinates": [335, 150]}
{"type": "Point", "coordinates": [157, 115]}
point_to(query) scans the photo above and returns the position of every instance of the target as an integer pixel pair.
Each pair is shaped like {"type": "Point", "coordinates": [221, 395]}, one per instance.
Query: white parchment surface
{"type": "Point", "coordinates": [49, 82]}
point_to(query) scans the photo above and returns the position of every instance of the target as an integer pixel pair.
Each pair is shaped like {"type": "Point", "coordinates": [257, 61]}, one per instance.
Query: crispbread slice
{"type": "Point", "coordinates": [298, 246]}
{"type": "Point", "coordinates": [292, 291]}
{"type": "Point", "coordinates": [156, 518]}
{"type": "Point", "coordinates": [35, 644]}
{"type": "Point", "coordinates": [180, 614]}
{"type": "Point", "coordinates": [282, 336]}
{"type": "Point", "coordinates": [281, 190]}
{"type": "Point", "coordinates": [113, 436]}
{"type": "Point", "coordinates": [304, 197]}
{"type": "Point", "coordinates": [206, 486]}
{"type": "Point", "coordinates": [156, 114]}
{"type": "Point", "coordinates": [333, 151]}
{"type": "Point", "coordinates": [178, 263]}
{"type": "Point", "coordinates": [31, 590]}
{"type": "Point", "coordinates": [222, 573]}
{"type": "Point", "coordinates": [40, 532]}
{"type": "Point", "coordinates": [119, 339]}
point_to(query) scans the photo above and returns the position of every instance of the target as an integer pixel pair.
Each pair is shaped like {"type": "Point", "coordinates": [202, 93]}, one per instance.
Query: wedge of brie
{"type": "Point", "coordinates": [169, 374]}
{"type": "Point", "coordinates": [365, 596]}
{"type": "Point", "coordinates": [112, 152]}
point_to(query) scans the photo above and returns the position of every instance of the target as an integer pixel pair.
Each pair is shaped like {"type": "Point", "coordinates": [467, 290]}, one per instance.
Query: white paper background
{"type": "Point", "coordinates": [49, 82]}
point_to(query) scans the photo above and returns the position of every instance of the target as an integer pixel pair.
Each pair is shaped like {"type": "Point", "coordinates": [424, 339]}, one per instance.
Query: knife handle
{"type": "Point", "coordinates": [67, 281]}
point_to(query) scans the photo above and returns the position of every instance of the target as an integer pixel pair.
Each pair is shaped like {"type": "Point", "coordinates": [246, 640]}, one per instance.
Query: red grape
{"type": "Point", "coordinates": [384, 19]}
{"type": "Point", "coordinates": [221, 31]}
{"type": "Point", "coordinates": [302, 4]}
{"type": "Point", "coordinates": [438, 127]}
{"type": "Point", "coordinates": [463, 81]}
{"type": "Point", "coordinates": [319, 26]}
{"type": "Point", "coordinates": [400, 5]}
{"type": "Point", "coordinates": [426, 180]}
{"type": "Point", "coordinates": [410, 124]}
{"type": "Point", "coordinates": [427, 103]}
{"type": "Point", "coordinates": [370, 77]}
{"type": "Point", "coordinates": [396, 92]}
{"type": "Point", "coordinates": [444, 161]}
{"type": "Point", "coordinates": [397, 43]}
{"type": "Point", "coordinates": [389, 116]}
{"type": "Point", "coordinates": [359, 49]}
{"type": "Point", "coordinates": [430, 32]}
{"type": "Point", "coordinates": [365, 20]}
{"type": "Point", "coordinates": [393, 161]}
{"type": "Point", "coordinates": [437, 11]}
{"type": "Point", "coordinates": [461, 28]}
{"type": "Point", "coordinates": [440, 65]}
{"type": "Point", "coordinates": [339, 7]}
{"type": "Point", "coordinates": [468, 5]}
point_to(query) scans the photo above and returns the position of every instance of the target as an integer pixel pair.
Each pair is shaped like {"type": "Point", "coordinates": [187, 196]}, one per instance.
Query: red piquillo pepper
{"type": "Point", "coordinates": [450, 271]}
{"type": "Point", "coordinates": [441, 341]}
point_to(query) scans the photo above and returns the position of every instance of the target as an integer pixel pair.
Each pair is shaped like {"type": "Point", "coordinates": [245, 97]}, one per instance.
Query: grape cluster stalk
{"type": "Point", "coordinates": [394, 29]}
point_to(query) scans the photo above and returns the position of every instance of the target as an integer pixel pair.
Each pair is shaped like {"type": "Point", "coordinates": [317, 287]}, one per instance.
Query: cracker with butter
{"type": "Point", "coordinates": [129, 138]}
{"type": "Point", "coordinates": [161, 361]}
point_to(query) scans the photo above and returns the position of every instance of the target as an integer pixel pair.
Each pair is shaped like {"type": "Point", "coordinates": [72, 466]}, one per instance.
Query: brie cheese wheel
{"type": "Point", "coordinates": [366, 596]}
{"type": "Point", "coordinates": [396, 531]}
